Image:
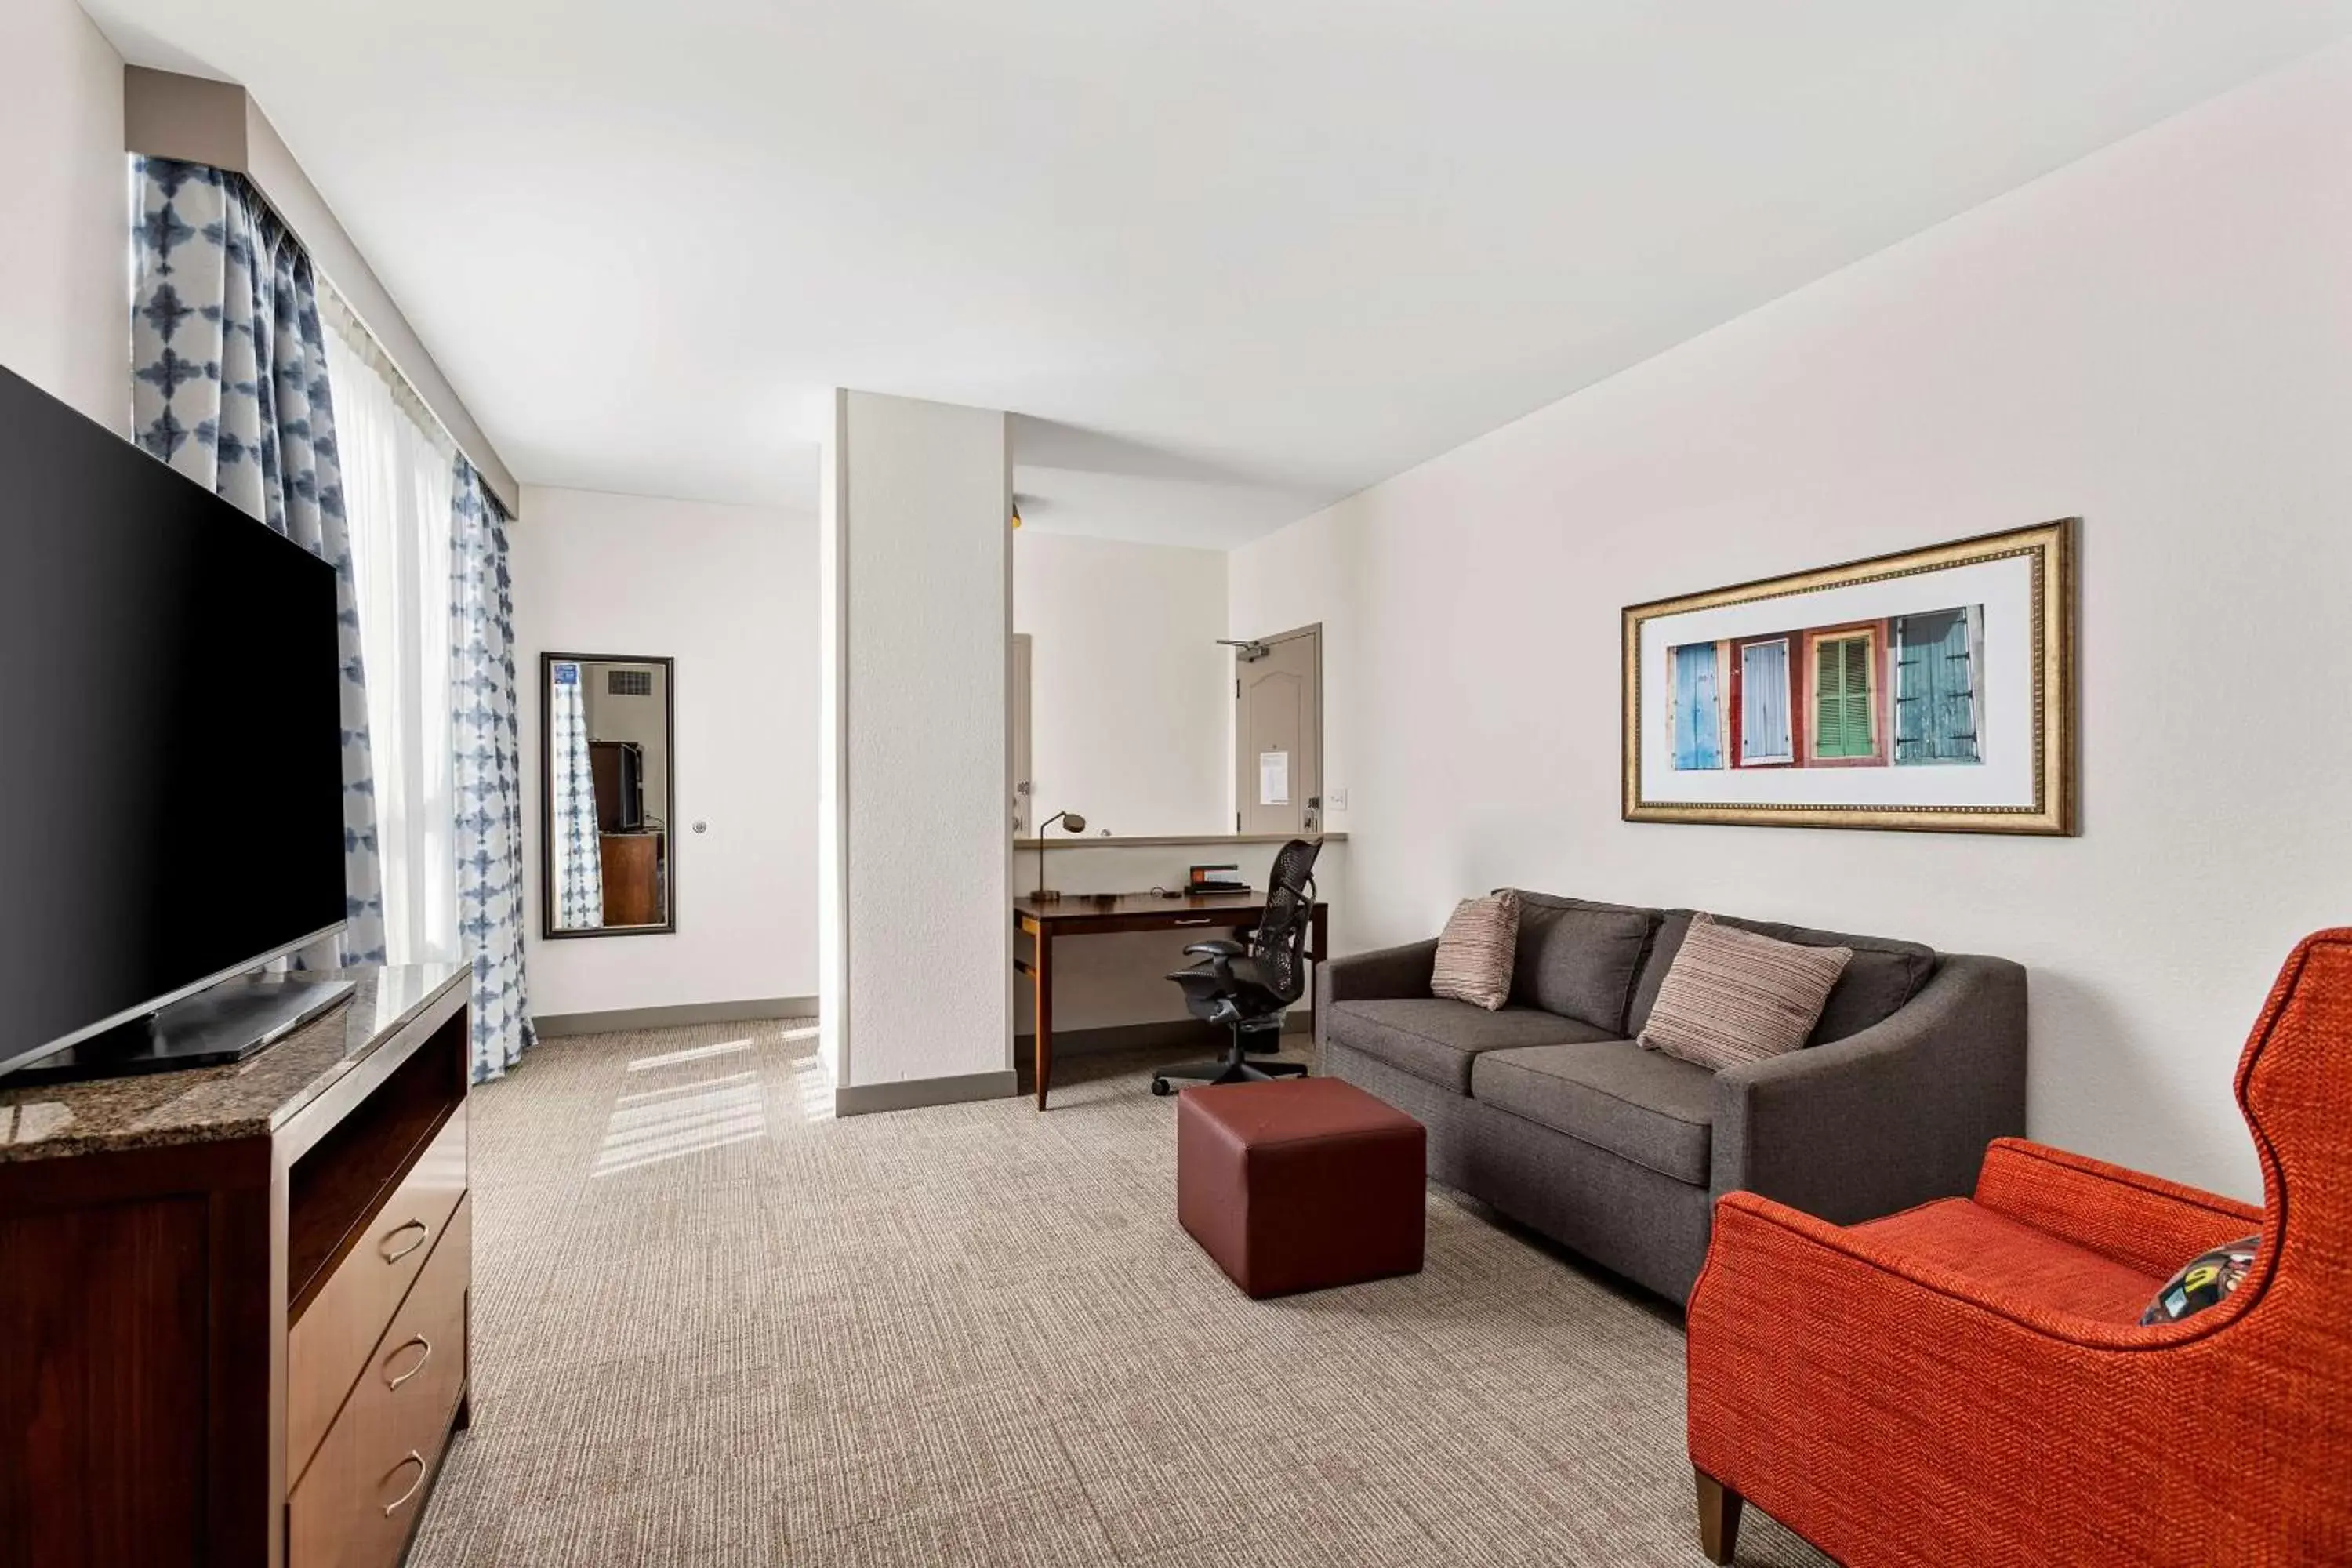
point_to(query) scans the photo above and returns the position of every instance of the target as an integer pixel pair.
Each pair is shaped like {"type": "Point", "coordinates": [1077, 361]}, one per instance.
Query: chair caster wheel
{"type": "Point", "coordinates": [1160, 1086]}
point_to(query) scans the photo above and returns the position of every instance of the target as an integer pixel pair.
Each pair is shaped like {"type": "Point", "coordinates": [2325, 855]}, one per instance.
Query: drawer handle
{"type": "Point", "coordinates": [423, 1233]}
{"type": "Point", "coordinates": [412, 1372]}
{"type": "Point", "coordinates": [396, 1504]}
{"type": "Point", "coordinates": [1205, 919]}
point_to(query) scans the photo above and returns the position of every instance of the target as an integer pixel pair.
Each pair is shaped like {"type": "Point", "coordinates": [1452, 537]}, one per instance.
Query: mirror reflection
{"type": "Point", "coordinates": [605, 849]}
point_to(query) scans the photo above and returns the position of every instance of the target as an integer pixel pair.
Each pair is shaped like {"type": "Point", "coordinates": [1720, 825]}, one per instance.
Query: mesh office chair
{"type": "Point", "coordinates": [1246, 985]}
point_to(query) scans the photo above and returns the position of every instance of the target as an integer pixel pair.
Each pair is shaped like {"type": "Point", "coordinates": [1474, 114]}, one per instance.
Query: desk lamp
{"type": "Point", "coordinates": [1072, 822]}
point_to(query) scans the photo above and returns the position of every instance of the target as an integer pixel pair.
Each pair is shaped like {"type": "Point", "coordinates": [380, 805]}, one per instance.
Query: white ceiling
{"type": "Point", "coordinates": [1229, 259]}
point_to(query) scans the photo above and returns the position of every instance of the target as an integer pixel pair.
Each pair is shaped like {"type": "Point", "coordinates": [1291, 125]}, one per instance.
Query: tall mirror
{"type": "Point", "coordinates": [606, 749]}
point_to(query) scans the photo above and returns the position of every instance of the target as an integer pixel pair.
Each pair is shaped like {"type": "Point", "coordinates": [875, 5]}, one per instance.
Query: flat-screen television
{"type": "Point", "coordinates": [171, 734]}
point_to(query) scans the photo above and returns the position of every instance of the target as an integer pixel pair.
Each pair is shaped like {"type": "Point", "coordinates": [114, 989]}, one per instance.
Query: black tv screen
{"type": "Point", "coordinates": [171, 732]}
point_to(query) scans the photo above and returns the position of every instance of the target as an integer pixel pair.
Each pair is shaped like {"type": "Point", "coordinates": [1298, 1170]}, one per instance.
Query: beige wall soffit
{"type": "Point", "coordinates": [217, 122]}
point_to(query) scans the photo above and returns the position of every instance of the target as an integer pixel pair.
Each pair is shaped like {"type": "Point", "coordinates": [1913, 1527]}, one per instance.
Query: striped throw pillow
{"type": "Point", "coordinates": [1732, 996]}
{"type": "Point", "coordinates": [1476, 952]}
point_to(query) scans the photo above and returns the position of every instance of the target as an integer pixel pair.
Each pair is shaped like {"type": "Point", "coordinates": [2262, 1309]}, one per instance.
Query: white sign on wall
{"type": "Point", "coordinates": [1273, 778]}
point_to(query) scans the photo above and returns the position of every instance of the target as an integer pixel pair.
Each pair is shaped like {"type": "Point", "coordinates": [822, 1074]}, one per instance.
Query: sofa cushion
{"type": "Point", "coordinates": [1643, 1106]}
{"type": "Point", "coordinates": [1883, 974]}
{"type": "Point", "coordinates": [1435, 1040]}
{"type": "Point", "coordinates": [1476, 950]}
{"type": "Point", "coordinates": [1579, 959]}
{"type": "Point", "coordinates": [1734, 997]}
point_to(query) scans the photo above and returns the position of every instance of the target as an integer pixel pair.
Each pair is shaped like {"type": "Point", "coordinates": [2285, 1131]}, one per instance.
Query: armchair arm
{"type": "Point", "coordinates": [1770, 1267]}
{"type": "Point", "coordinates": [1223, 947]}
{"type": "Point", "coordinates": [2153, 1225]}
{"type": "Point", "coordinates": [1888, 1118]}
{"type": "Point", "coordinates": [1828, 1372]}
{"type": "Point", "coordinates": [1388, 971]}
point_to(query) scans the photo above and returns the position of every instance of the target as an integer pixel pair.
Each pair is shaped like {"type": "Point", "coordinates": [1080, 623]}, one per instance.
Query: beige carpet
{"type": "Point", "coordinates": [713, 1326]}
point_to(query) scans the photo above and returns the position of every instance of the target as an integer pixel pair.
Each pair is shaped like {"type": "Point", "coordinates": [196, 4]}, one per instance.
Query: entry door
{"type": "Point", "coordinates": [1023, 792]}
{"type": "Point", "coordinates": [1278, 734]}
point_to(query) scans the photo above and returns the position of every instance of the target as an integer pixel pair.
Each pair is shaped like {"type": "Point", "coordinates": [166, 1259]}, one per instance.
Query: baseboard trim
{"type": "Point", "coordinates": [554, 1026]}
{"type": "Point", "coordinates": [920, 1093]}
{"type": "Point", "coordinates": [1148, 1036]}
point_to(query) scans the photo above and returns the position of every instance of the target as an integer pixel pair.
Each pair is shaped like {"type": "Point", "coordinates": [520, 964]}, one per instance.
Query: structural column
{"type": "Point", "coordinates": [915, 922]}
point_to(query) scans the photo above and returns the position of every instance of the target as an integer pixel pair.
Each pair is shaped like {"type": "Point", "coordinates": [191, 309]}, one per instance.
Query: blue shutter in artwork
{"type": "Point", "coordinates": [1698, 709]}
{"type": "Point", "coordinates": [1935, 689]}
{"type": "Point", "coordinates": [1764, 703]}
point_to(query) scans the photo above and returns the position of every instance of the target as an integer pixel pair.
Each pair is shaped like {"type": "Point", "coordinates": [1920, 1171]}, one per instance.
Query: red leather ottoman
{"type": "Point", "coordinates": [1301, 1183]}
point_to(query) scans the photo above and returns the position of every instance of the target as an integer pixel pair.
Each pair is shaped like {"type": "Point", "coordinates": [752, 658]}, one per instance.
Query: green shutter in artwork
{"type": "Point", "coordinates": [1842, 698]}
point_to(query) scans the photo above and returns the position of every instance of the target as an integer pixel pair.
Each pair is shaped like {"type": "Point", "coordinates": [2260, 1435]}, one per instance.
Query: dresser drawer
{"type": "Point", "coordinates": [356, 1505]}
{"type": "Point", "coordinates": [329, 1343]}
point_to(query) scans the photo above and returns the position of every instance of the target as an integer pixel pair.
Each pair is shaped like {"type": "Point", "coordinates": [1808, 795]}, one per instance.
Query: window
{"type": "Point", "coordinates": [398, 483]}
{"type": "Point", "coordinates": [1845, 706]}
{"type": "Point", "coordinates": [1764, 734]}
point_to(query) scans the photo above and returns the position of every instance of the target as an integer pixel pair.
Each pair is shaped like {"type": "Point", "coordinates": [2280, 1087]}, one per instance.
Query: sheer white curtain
{"type": "Point", "coordinates": [398, 487]}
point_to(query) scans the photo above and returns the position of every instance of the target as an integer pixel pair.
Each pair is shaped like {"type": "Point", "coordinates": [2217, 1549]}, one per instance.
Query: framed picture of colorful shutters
{"type": "Point", "coordinates": [1931, 690]}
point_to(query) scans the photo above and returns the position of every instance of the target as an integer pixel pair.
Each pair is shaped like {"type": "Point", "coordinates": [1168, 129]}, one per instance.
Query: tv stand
{"type": "Point", "coordinates": [226, 1023]}
{"type": "Point", "coordinates": [233, 1315]}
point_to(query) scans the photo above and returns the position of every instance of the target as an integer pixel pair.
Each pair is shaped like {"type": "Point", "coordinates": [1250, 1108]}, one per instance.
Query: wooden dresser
{"type": "Point", "coordinates": [233, 1302]}
{"type": "Point", "coordinates": [632, 864]}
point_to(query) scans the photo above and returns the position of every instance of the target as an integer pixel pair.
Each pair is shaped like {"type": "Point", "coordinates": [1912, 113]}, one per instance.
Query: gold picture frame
{"type": "Point", "coordinates": [1930, 690]}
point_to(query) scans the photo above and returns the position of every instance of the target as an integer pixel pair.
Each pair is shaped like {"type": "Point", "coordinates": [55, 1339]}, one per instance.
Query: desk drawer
{"type": "Point", "coordinates": [356, 1505]}
{"type": "Point", "coordinates": [329, 1343]}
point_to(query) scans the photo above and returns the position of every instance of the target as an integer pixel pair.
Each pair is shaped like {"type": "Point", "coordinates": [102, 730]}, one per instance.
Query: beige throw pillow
{"type": "Point", "coordinates": [1732, 996]}
{"type": "Point", "coordinates": [1476, 954]}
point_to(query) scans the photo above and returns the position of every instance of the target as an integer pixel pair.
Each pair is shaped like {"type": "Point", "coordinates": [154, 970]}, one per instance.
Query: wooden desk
{"type": "Point", "coordinates": [1091, 914]}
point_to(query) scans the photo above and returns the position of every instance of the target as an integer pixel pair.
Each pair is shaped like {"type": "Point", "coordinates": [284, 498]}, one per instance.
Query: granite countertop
{"type": "Point", "coordinates": [249, 1098]}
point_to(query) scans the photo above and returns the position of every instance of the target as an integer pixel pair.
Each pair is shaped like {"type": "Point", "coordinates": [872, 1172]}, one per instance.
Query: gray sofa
{"type": "Point", "coordinates": [1548, 1110]}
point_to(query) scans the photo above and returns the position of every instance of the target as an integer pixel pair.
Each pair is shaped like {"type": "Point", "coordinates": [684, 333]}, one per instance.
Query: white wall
{"type": "Point", "coordinates": [731, 593]}
{"type": "Point", "coordinates": [1130, 697]}
{"type": "Point", "coordinates": [2157, 338]}
{"type": "Point", "coordinates": [65, 271]}
{"type": "Point", "coordinates": [917, 499]}
{"type": "Point", "coordinates": [1132, 715]}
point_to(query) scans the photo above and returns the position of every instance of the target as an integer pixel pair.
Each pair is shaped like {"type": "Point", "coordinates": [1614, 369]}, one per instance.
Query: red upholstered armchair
{"type": "Point", "coordinates": [1967, 1382]}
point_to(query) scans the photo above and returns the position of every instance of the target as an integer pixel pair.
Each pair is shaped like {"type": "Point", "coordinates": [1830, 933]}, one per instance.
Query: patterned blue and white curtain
{"type": "Point", "coordinates": [229, 386]}
{"type": "Point", "coordinates": [578, 851]}
{"type": "Point", "coordinates": [489, 751]}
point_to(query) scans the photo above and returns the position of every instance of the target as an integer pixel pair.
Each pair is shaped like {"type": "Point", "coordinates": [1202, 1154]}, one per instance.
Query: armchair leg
{"type": "Point", "coordinates": [1718, 1518]}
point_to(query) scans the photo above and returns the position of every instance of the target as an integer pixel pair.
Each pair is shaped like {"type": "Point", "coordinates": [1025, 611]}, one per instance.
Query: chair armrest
{"type": "Point", "coordinates": [1223, 947]}
{"type": "Point", "coordinates": [1889, 1118]}
{"type": "Point", "coordinates": [1802, 1334]}
{"type": "Point", "coordinates": [1385, 973]}
{"type": "Point", "coordinates": [1756, 1239]}
{"type": "Point", "coordinates": [2147, 1222]}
